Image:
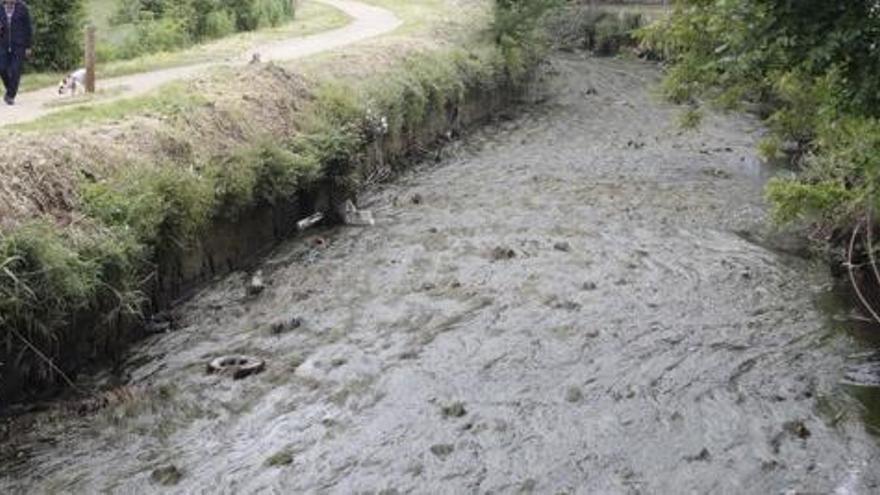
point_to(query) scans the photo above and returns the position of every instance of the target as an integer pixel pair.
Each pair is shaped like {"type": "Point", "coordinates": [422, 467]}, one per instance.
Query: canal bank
{"type": "Point", "coordinates": [581, 298]}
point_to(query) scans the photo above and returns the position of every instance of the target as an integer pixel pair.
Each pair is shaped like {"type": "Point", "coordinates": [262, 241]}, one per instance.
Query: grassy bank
{"type": "Point", "coordinates": [89, 266]}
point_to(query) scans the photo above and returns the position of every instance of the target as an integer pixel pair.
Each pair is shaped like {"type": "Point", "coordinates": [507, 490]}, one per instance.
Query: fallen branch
{"type": "Point", "coordinates": [852, 274]}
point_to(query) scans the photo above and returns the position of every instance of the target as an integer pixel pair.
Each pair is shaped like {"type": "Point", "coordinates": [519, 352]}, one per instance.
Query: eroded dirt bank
{"type": "Point", "coordinates": [571, 302]}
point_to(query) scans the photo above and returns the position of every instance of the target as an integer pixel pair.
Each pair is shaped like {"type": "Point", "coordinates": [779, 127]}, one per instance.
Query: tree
{"type": "Point", "coordinates": [58, 34]}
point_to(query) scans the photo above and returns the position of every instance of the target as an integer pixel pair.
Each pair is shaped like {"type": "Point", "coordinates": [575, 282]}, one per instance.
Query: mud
{"type": "Point", "coordinates": [559, 312]}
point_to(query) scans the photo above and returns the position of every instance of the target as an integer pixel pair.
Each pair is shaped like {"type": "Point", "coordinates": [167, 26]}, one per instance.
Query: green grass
{"type": "Point", "coordinates": [173, 98]}
{"type": "Point", "coordinates": [311, 18]}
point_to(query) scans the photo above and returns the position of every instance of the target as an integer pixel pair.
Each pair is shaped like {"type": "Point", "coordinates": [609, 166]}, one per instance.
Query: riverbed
{"type": "Point", "coordinates": [580, 298]}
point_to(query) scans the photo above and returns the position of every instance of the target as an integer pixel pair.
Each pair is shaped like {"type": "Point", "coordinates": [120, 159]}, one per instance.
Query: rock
{"type": "Point", "coordinates": [562, 246]}
{"type": "Point", "coordinates": [256, 286]}
{"type": "Point", "coordinates": [573, 394]}
{"type": "Point", "coordinates": [717, 172]}
{"type": "Point", "coordinates": [280, 327]}
{"type": "Point", "coordinates": [703, 456]}
{"type": "Point", "coordinates": [154, 327]}
{"type": "Point", "coordinates": [417, 199]}
{"type": "Point", "coordinates": [568, 306]}
{"type": "Point", "coordinates": [167, 475]}
{"type": "Point", "coordinates": [283, 458]}
{"type": "Point", "coordinates": [798, 429]}
{"type": "Point", "coordinates": [454, 410]}
{"type": "Point", "coordinates": [502, 253]}
{"type": "Point", "coordinates": [442, 450]}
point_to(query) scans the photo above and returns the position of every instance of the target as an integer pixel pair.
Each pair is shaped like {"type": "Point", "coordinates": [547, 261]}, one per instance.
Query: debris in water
{"type": "Point", "coordinates": [589, 286]}
{"type": "Point", "coordinates": [442, 450]}
{"type": "Point", "coordinates": [563, 246]}
{"type": "Point", "coordinates": [238, 366]}
{"type": "Point", "coordinates": [283, 458]}
{"type": "Point", "coordinates": [703, 456]}
{"type": "Point", "coordinates": [319, 242]}
{"type": "Point", "coordinates": [454, 410]}
{"type": "Point", "coordinates": [280, 327]}
{"type": "Point", "coordinates": [798, 429]}
{"type": "Point", "coordinates": [256, 286]}
{"type": "Point", "coordinates": [310, 221]}
{"type": "Point", "coordinates": [502, 253]}
{"type": "Point", "coordinates": [718, 173]}
{"type": "Point", "coordinates": [358, 218]}
{"type": "Point", "coordinates": [574, 394]}
{"type": "Point", "coordinates": [159, 323]}
{"type": "Point", "coordinates": [417, 199]}
{"type": "Point", "coordinates": [167, 476]}
{"type": "Point", "coordinates": [568, 306]}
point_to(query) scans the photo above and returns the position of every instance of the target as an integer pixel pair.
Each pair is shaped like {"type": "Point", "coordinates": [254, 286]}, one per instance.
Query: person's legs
{"type": "Point", "coordinates": [16, 63]}
{"type": "Point", "coordinates": [4, 69]}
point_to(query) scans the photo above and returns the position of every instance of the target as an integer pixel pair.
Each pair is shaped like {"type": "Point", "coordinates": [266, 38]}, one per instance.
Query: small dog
{"type": "Point", "coordinates": [73, 82]}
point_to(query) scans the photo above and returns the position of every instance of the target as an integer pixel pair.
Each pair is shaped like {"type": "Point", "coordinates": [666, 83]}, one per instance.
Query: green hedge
{"type": "Point", "coordinates": [58, 34]}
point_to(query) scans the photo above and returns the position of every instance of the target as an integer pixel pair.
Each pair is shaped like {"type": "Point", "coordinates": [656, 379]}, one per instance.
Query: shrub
{"type": "Point", "coordinates": [58, 33]}
{"type": "Point", "coordinates": [155, 35]}
{"type": "Point", "coordinates": [48, 279]}
{"type": "Point", "coordinates": [218, 24]}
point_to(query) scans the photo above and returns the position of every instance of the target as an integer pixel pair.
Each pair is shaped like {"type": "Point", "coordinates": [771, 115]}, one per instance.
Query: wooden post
{"type": "Point", "coordinates": [90, 59]}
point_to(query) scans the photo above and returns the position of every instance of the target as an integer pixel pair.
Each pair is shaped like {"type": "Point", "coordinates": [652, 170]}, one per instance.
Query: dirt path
{"type": "Point", "coordinates": [368, 21]}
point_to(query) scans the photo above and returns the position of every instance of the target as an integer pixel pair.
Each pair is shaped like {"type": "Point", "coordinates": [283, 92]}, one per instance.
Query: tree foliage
{"type": "Point", "coordinates": [58, 33]}
{"type": "Point", "coordinates": [813, 64]}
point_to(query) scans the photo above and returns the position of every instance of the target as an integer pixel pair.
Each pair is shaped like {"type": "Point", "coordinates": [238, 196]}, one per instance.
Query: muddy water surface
{"type": "Point", "coordinates": [578, 300]}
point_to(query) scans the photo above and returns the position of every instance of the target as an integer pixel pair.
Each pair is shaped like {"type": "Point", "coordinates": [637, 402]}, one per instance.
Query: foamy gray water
{"type": "Point", "coordinates": [642, 338]}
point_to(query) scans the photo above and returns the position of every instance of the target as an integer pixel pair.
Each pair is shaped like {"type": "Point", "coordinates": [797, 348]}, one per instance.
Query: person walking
{"type": "Point", "coordinates": [16, 36]}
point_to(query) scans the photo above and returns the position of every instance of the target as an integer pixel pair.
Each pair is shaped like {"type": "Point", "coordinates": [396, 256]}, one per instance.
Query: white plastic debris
{"type": "Point", "coordinates": [309, 222]}
{"type": "Point", "coordinates": [256, 286]}
{"type": "Point", "coordinates": [358, 218]}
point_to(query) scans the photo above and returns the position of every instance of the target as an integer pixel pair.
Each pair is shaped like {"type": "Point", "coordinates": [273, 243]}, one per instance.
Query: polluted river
{"type": "Point", "coordinates": [579, 298]}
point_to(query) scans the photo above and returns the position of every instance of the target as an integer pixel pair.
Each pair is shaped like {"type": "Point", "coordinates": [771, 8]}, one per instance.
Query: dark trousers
{"type": "Point", "coordinates": [11, 64]}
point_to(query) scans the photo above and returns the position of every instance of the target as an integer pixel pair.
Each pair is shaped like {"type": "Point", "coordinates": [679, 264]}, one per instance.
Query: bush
{"type": "Point", "coordinates": [218, 24]}
{"type": "Point", "coordinates": [153, 36]}
{"type": "Point", "coordinates": [49, 279]}
{"type": "Point", "coordinates": [163, 25]}
{"type": "Point", "coordinates": [58, 34]}
{"type": "Point", "coordinates": [270, 13]}
{"type": "Point", "coordinates": [813, 64]}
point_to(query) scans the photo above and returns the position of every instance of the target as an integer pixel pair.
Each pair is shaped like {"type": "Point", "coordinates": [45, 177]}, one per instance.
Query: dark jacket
{"type": "Point", "coordinates": [20, 33]}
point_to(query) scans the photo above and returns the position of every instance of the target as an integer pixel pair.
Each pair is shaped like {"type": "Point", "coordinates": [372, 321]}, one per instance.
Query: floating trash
{"type": "Point", "coordinates": [358, 218]}
{"type": "Point", "coordinates": [256, 286]}
{"type": "Point", "coordinates": [309, 222]}
{"type": "Point", "coordinates": [238, 366]}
